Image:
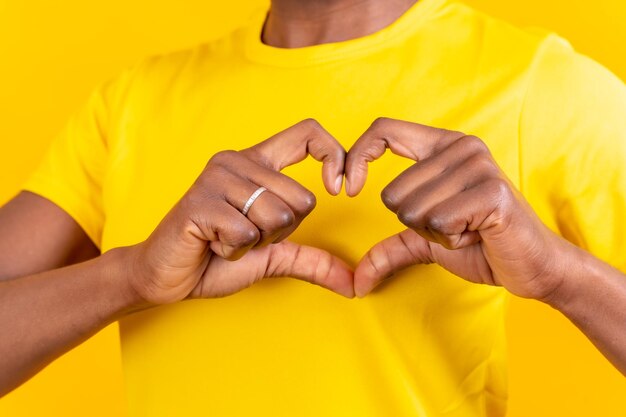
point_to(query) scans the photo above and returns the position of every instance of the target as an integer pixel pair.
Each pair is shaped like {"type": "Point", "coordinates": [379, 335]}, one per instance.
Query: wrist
{"type": "Point", "coordinates": [119, 264]}
{"type": "Point", "coordinates": [577, 268]}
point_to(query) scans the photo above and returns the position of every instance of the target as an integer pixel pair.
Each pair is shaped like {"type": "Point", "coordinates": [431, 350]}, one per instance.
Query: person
{"type": "Point", "coordinates": [125, 218]}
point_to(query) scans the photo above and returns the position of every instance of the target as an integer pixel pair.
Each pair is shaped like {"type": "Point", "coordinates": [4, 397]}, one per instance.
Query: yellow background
{"type": "Point", "coordinates": [53, 53]}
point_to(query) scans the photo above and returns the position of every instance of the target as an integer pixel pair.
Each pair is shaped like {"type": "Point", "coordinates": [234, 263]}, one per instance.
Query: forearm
{"type": "Point", "coordinates": [44, 315]}
{"type": "Point", "coordinates": [593, 297]}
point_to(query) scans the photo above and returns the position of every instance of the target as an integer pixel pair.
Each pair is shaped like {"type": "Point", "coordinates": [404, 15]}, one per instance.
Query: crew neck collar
{"type": "Point", "coordinates": [405, 25]}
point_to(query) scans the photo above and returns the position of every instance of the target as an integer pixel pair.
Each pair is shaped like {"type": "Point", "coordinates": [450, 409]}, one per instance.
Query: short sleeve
{"type": "Point", "coordinates": [72, 172]}
{"type": "Point", "coordinates": [573, 150]}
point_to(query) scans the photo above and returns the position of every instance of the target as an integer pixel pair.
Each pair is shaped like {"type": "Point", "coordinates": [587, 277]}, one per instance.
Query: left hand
{"type": "Point", "coordinates": [462, 213]}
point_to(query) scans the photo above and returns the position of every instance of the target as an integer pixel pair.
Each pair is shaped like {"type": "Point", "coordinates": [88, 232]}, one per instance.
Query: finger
{"type": "Point", "coordinates": [388, 257]}
{"type": "Point", "coordinates": [271, 215]}
{"type": "Point", "coordinates": [310, 264]}
{"type": "Point", "coordinates": [230, 234]}
{"type": "Point", "coordinates": [439, 191]}
{"type": "Point", "coordinates": [295, 144]}
{"type": "Point", "coordinates": [475, 214]}
{"type": "Point", "coordinates": [300, 200]}
{"type": "Point", "coordinates": [285, 259]}
{"type": "Point", "coordinates": [407, 249]}
{"type": "Point", "coordinates": [457, 164]}
{"type": "Point", "coordinates": [410, 140]}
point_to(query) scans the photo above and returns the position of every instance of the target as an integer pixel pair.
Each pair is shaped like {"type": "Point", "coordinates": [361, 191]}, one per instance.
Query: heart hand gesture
{"type": "Point", "coordinates": [461, 210]}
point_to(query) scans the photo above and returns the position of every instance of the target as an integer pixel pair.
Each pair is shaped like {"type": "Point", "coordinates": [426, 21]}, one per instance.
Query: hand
{"type": "Point", "coordinates": [191, 252]}
{"type": "Point", "coordinates": [461, 210]}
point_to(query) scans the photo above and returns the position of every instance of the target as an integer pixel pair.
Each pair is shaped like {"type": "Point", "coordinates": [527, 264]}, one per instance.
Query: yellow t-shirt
{"type": "Point", "coordinates": [425, 343]}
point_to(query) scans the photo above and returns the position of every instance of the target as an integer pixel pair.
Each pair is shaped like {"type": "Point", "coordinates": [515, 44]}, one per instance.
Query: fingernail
{"type": "Point", "coordinates": [359, 292]}
{"type": "Point", "coordinates": [348, 186]}
{"type": "Point", "coordinates": [338, 183]}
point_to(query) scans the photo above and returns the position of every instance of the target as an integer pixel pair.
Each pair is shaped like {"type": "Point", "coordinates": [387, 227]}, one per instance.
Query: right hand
{"type": "Point", "coordinates": [205, 247]}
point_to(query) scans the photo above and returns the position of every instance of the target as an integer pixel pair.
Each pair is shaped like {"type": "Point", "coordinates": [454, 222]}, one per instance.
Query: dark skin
{"type": "Point", "coordinates": [297, 23]}
{"type": "Point", "coordinates": [195, 252]}
{"type": "Point", "coordinates": [460, 210]}
{"type": "Point", "coordinates": [464, 214]}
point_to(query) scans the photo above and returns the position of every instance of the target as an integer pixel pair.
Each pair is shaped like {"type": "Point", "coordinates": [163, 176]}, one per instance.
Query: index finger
{"type": "Point", "coordinates": [407, 139]}
{"type": "Point", "coordinates": [295, 143]}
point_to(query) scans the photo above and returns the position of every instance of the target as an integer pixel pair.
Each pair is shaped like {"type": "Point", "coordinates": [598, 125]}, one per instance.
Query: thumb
{"type": "Point", "coordinates": [314, 265]}
{"type": "Point", "coordinates": [284, 259]}
{"type": "Point", "coordinates": [409, 248]}
{"type": "Point", "coordinates": [388, 257]}
{"type": "Point", "coordinates": [295, 143]}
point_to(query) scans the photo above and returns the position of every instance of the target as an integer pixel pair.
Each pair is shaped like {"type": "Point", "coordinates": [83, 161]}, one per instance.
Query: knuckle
{"type": "Point", "coordinates": [311, 124]}
{"type": "Point", "coordinates": [390, 198]}
{"type": "Point", "coordinates": [280, 220]}
{"type": "Point", "coordinates": [336, 152]}
{"type": "Point", "coordinates": [434, 223]}
{"type": "Point", "coordinates": [409, 217]}
{"type": "Point", "coordinates": [474, 144]}
{"type": "Point", "coordinates": [323, 269]}
{"type": "Point", "coordinates": [380, 123]}
{"type": "Point", "coordinates": [308, 203]}
{"type": "Point", "coordinates": [191, 201]}
{"type": "Point", "coordinates": [284, 220]}
{"type": "Point", "coordinates": [223, 158]}
{"type": "Point", "coordinates": [500, 189]}
{"type": "Point", "coordinates": [245, 235]}
{"type": "Point", "coordinates": [441, 223]}
{"type": "Point", "coordinates": [482, 163]}
{"type": "Point", "coordinates": [193, 224]}
{"type": "Point", "coordinates": [211, 181]}
{"type": "Point", "coordinates": [500, 194]}
{"type": "Point", "coordinates": [379, 260]}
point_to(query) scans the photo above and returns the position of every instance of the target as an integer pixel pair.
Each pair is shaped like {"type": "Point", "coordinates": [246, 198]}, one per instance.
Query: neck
{"type": "Point", "coordinates": [299, 23]}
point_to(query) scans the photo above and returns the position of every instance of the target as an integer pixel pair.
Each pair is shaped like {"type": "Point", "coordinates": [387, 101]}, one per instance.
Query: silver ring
{"type": "Point", "coordinates": [252, 199]}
